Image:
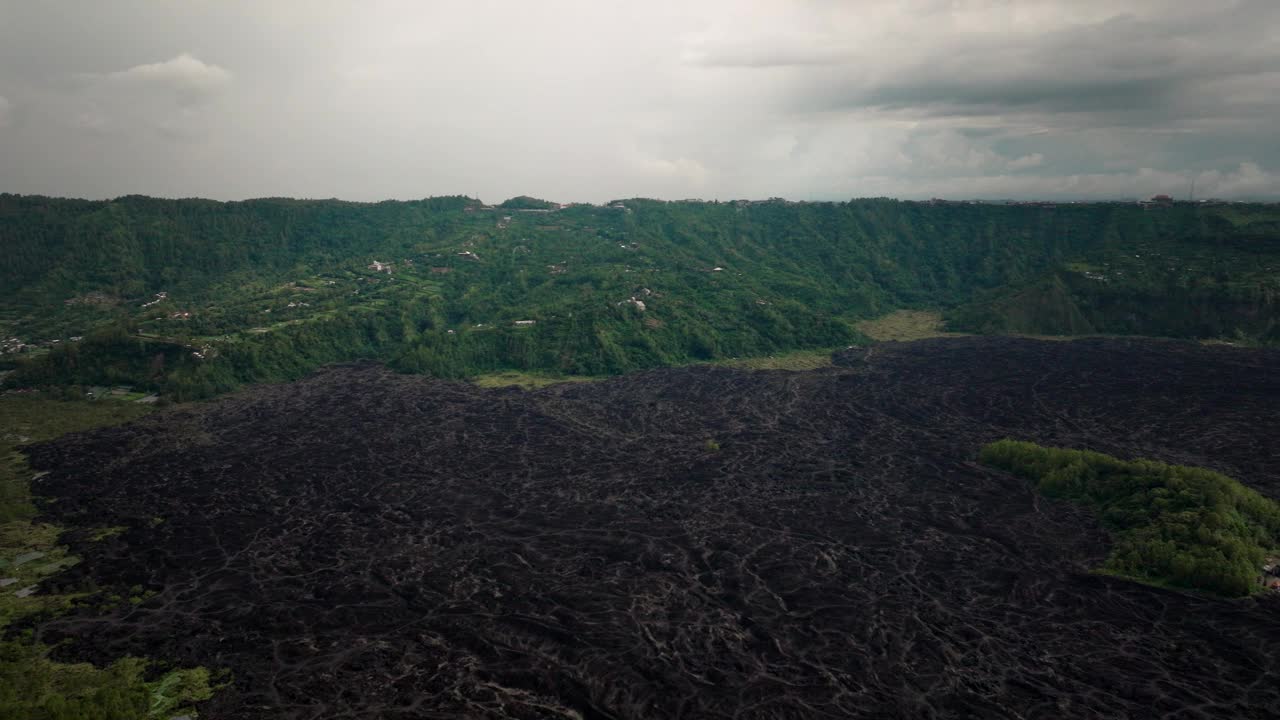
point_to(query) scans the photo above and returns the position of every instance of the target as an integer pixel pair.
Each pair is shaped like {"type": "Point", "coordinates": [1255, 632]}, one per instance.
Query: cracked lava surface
{"type": "Point", "coordinates": [363, 544]}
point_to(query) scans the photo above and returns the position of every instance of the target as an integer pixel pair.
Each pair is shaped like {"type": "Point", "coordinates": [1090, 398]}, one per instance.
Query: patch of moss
{"type": "Point", "coordinates": [36, 688]}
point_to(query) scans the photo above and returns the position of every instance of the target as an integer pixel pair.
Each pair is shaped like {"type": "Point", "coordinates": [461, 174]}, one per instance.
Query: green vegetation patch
{"type": "Point", "coordinates": [799, 360]}
{"type": "Point", "coordinates": [34, 418]}
{"type": "Point", "coordinates": [528, 381]}
{"type": "Point", "coordinates": [29, 551]}
{"type": "Point", "coordinates": [28, 554]}
{"type": "Point", "coordinates": [31, 685]}
{"type": "Point", "coordinates": [905, 325]}
{"type": "Point", "coordinates": [1171, 525]}
{"type": "Point", "coordinates": [36, 688]}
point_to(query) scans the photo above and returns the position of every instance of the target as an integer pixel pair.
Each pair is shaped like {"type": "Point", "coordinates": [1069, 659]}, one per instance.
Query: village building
{"type": "Point", "coordinates": [1270, 575]}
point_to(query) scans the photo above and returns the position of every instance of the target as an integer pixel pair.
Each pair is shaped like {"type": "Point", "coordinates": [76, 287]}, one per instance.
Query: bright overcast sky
{"type": "Point", "coordinates": [598, 99]}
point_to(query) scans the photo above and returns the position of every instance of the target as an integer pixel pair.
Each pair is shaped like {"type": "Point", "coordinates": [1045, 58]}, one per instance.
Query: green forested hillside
{"type": "Point", "coordinates": [1185, 271]}
{"type": "Point", "coordinates": [192, 297]}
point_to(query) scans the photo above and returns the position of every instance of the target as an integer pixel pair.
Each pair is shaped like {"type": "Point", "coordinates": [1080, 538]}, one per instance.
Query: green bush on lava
{"type": "Point", "coordinates": [1171, 525]}
{"type": "Point", "coordinates": [34, 687]}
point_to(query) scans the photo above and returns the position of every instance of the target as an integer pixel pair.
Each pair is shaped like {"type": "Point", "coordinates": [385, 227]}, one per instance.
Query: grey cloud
{"type": "Point", "coordinates": [189, 79]}
{"type": "Point", "coordinates": [1245, 181]}
{"type": "Point", "coordinates": [961, 96]}
{"type": "Point", "coordinates": [5, 110]}
{"type": "Point", "coordinates": [777, 53]}
{"type": "Point", "coordinates": [580, 100]}
{"type": "Point", "coordinates": [169, 98]}
{"type": "Point", "coordinates": [1026, 161]}
{"type": "Point", "coordinates": [1157, 66]}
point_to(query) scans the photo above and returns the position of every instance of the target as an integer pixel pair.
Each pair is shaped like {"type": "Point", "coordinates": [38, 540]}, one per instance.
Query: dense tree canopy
{"type": "Point", "coordinates": [524, 202]}
{"type": "Point", "coordinates": [194, 297]}
{"type": "Point", "coordinates": [1183, 526]}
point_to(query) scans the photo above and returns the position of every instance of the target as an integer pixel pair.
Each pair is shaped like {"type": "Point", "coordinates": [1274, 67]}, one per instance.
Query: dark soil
{"type": "Point", "coordinates": [369, 545]}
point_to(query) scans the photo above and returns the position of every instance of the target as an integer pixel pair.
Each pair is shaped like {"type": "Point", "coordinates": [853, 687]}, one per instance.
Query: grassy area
{"type": "Point", "coordinates": [28, 550]}
{"type": "Point", "coordinates": [28, 418]}
{"type": "Point", "coordinates": [905, 325]}
{"type": "Point", "coordinates": [28, 554]}
{"type": "Point", "coordinates": [528, 381]}
{"type": "Point", "coordinates": [798, 360]}
{"type": "Point", "coordinates": [32, 685]}
{"type": "Point", "coordinates": [908, 325]}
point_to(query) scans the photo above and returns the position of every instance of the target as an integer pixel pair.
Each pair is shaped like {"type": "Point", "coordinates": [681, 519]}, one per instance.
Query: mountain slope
{"type": "Point", "coordinates": [194, 297]}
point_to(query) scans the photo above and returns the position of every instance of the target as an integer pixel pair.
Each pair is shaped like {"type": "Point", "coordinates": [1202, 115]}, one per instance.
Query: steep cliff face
{"type": "Point", "coordinates": [1067, 304]}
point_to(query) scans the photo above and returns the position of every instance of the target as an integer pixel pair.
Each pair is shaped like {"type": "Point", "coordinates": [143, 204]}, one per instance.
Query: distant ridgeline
{"type": "Point", "coordinates": [194, 297]}
{"type": "Point", "coordinates": [1170, 524]}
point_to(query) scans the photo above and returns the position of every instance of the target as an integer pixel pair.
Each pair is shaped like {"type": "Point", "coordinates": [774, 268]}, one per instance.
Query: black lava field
{"type": "Point", "coordinates": [363, 544]}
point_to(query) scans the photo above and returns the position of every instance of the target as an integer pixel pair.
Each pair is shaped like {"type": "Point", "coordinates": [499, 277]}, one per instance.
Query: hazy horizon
{"type": "Point", "coordinates": [494, 202]}
{"type": "Point", "coordinates": [585, 102]}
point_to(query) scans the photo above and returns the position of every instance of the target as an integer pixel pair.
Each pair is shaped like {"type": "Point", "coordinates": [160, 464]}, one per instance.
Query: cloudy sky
{"type": "Point", "coordinates": [595, 99]}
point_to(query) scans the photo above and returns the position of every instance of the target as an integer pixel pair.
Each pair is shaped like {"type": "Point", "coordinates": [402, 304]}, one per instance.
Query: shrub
{"type": "Point", "coordinates": [1175, 525]}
